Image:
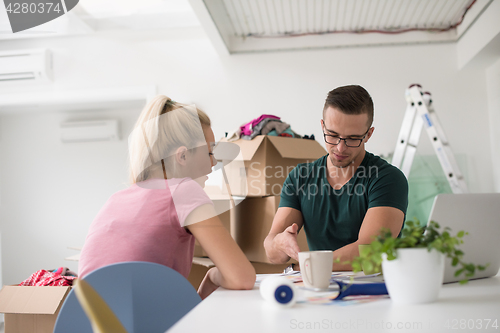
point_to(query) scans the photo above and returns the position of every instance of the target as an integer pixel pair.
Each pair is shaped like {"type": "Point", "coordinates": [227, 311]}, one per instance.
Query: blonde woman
{"type": "Point", "coordinates": [158, 218]}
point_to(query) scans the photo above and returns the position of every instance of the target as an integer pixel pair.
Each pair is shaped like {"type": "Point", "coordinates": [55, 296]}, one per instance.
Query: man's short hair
{"type": "Point", "coordinates": [351, 99]}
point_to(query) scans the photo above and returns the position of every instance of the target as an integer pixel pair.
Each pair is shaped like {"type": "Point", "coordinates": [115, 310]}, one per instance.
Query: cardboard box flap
{"type": "Point", "coordinates": [248, 147]}
{"type": "Point", "coordinates": [297, 148]}
{"type": "Point", "coordinates": [31, 300]}
{"type": "Point", "coordinates": [203, 262]}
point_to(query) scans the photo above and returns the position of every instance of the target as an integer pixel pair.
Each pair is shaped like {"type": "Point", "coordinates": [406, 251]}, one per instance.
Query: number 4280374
{"type": "Point", "coordinates": [469, 324]}
{"type": "Point", "coordinates": [24, 8]}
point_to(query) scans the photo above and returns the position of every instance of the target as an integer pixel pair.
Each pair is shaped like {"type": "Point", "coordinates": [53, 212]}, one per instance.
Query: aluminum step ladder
{"type": "Point", "coordinates": [420, 113]}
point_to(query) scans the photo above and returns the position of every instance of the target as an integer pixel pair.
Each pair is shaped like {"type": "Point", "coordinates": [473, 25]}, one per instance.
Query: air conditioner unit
{"type": "Point", "coordinates": [88, 131]}
{"type": "Point", "coordinates": [26, 65]}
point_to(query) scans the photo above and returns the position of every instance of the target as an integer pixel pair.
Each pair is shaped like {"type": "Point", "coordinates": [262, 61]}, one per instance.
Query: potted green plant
{"type": "Point", "coordinates": [413, 264]}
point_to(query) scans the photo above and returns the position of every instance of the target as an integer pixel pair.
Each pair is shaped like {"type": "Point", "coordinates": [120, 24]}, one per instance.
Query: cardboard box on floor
{"type": "Point", "coordinates": [250, 225]}
{"type": "Point", "coordinates": [266, 161]}
{"type": "Point", "coordinates": [201, 266]}
{"type": "Point", "coordinates": [31, 309]}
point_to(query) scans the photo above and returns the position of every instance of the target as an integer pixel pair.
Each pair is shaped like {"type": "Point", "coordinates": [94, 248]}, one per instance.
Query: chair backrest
{"type": "Point", "coordinates": [102, 318]}
{"type": "Point", "coordinates": [145, 297]}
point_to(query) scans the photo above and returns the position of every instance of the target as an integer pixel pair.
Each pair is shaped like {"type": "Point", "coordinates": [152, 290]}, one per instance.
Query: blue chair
{"type": "Point", "coordinates": [102, 318]}
{"type": "Point", "coordinates": [145, 297]}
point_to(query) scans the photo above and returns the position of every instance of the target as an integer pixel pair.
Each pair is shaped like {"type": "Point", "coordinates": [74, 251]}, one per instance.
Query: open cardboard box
{"type": "Point", "coordinates": [266, 162]}
{"type": "Point", "coordinates": [31, 309]}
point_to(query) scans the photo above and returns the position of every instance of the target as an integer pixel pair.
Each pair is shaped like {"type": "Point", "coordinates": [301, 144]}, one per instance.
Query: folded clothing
{"type": "Point", "coordinates": [266, 124]}
{"type": "Point", "coordinates": [259, 128]}
{"type": "Point", "coordinates": [247, 129]}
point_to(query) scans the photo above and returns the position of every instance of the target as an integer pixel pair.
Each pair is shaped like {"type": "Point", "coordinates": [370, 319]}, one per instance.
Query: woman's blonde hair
{"type": "Point", "coordinates": [159, 132]}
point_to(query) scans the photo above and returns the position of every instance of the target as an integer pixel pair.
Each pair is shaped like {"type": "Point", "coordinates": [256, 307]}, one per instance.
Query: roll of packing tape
{"type": "Point", "coordinates": [278, 290]}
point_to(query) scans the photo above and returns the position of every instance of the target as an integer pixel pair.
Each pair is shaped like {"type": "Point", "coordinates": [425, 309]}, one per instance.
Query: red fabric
{"type": "Point", "coordinates": [46, 278]}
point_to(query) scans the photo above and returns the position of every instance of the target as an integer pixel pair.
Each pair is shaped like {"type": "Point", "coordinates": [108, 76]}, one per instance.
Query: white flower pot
{"type": "Point", "coordinates": [415, 276]}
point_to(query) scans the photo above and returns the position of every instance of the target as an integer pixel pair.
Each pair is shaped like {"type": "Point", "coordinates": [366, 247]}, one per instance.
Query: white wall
{"type": "Point", "coordinates": [50, 192]}
{"type": "Point", "coordinates": [493, 86]}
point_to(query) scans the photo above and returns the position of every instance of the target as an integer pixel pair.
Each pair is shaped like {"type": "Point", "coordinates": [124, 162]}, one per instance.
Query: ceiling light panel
{"type": "Point", "coordinates": [283, 18]}
{"type": "Point", "coordinates": [268, 25]}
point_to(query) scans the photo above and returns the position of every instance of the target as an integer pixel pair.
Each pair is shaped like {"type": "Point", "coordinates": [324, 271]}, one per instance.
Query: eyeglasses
{"type": "Point", "coordinates": [349, 142]}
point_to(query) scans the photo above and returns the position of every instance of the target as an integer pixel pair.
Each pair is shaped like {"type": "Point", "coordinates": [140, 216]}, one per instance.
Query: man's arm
{"type": "Point", "coordinates": [375, 219]}
{"type": "Point", "coordinates": [281, 242]}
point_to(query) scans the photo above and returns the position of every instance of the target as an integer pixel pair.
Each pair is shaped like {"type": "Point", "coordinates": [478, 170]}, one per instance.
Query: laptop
{"type": "Point", "coordinates": [479, 215]}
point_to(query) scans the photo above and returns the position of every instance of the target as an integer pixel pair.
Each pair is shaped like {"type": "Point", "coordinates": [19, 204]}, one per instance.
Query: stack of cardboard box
{"type": "Point", "coordinates": [257, 182]}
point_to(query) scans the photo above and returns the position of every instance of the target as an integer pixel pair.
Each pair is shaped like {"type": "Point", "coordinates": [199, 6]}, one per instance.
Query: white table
{"type": "Point", "coordinates": [460, 308]}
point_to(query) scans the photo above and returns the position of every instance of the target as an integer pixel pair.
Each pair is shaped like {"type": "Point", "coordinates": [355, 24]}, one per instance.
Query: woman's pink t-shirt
{"type": "Point", "coordinates": [145, 222]}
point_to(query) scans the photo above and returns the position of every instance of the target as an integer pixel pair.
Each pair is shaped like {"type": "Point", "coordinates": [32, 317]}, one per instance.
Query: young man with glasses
{"type": "Point", "coordinates": [344, 198]}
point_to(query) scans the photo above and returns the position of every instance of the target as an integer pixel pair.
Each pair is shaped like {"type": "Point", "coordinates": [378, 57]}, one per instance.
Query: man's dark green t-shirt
{"type": "Point", "coordinates": [332, 218]}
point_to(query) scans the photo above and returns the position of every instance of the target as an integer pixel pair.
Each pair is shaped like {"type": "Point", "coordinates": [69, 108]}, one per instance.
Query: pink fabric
{"type": "Point", "coordinates": [145, 223]}
{"type": "Point", "coordinates": [247, 128]}
{"type": "Point", "coordinates": [46, 278]}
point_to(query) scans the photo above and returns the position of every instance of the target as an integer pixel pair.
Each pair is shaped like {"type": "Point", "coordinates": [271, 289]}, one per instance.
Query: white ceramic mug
{"type": "Point", "coordinates": [316, 268]}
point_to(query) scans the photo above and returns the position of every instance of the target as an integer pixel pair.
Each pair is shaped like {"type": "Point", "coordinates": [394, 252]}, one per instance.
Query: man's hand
{"type": "Point", "coordinates": [281, 242]}
{"type": "Point", "coordinates": [287, 241]}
